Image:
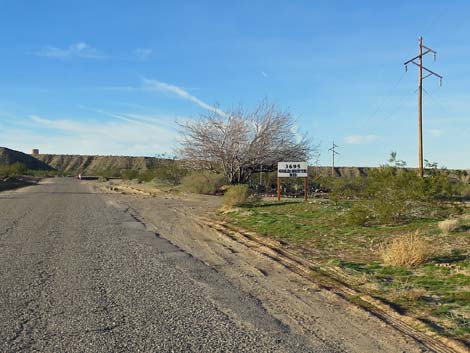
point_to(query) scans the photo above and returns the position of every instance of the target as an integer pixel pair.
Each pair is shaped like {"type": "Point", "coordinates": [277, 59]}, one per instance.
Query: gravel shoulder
{"type": "Point", "coordinates": [319, 316]}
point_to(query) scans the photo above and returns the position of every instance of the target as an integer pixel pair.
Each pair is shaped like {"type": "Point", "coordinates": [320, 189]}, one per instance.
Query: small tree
{"type": "Point", "coordinates": [240, 142]}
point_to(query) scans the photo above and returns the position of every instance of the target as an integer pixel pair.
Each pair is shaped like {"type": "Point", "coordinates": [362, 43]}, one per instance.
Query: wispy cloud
{"type": "Point", "coordinates": [80, 49]}
{"type": "Point", "coordinates": [358, 139]}
{"type": "Point", "coordinates": [264, 74]}
{"type": "Point", "coordinates": [143, 53]}
{"type": "Point", "coordinates": [436, 132]}
{"type": "Point", "coordinates": [130, 118]}
{"type": "Point", "coordinates": [113, 136]}
{"type": "Point", "coordinates": [155, 85]}
{"type": "Point", "coordinates": [116, 88]}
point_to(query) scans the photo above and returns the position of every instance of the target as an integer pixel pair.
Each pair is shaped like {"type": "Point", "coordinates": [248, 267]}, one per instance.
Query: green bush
{"type": "Point", "coordinates": [202, 182]}
{"type": "Point", "coordinates": [344, 188]}
{"type": "Point", "coordinates": [358, 214]}
{"type": "Point", "coordinates": [108, 173]}
{"type": "Point", "coordinates": [236, 195]}
{"type": "Point", "coordinates": [14, 169]}
{"type": "Point", "coordinates": [393, 195]}
{"type": "Point", "coordinates": [146, 176]}
{"type": "Point", "coordinates": [170, 171]}
{"type": "Point", "coordinates": [129, 174]}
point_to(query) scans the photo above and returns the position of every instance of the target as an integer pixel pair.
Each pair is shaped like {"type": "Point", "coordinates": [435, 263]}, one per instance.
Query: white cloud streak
{"type": "Point", "coordinates": [143, 53]}
{"type": "Point", "coordinates": [80, 49]}
{"type": "Point", "coordinates": [436, 132]}
{"type": "Point", "coordinates": [358, 139]}
{"type": "Point", "coordinates": [118, 137]}
{"type": "Point", "coordinates": [155, 85]}
{"type": "Point", "coordinates": [138, 119]}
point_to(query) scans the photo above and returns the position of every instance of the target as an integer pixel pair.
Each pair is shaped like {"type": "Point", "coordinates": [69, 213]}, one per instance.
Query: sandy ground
{"type": "Point", "coordinates": [308, 310]}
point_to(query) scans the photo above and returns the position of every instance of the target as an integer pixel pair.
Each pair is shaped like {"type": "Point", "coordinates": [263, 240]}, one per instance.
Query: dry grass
{"type": "Point", "coordinates": [408, 250]}
{"type": "Point", "coordinates": [465, 217]}
{"type": "Point", "coordinates": [449, 225]}
{"type": "Point", "coordinates": [410, 295]}
{"type": "Point", "coordinates": [236, 195]}
{"type": "Point", "coordinates": [202, 182]}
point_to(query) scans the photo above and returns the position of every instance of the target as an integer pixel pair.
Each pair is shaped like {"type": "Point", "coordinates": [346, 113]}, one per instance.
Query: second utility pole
{"type": "Point", "coordinates": [420, 96]}
{"type": "Point", "coordinates": [333, 152]}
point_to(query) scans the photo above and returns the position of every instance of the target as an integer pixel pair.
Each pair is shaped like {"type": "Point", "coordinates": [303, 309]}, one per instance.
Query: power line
{"type": "Point", "coordinates": [385, 99]}
{"type": "Point", "coordinates": [435, 100]}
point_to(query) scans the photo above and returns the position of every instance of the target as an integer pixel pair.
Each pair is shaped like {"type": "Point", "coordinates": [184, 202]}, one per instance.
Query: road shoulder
{"type": "Point", "coordinates": [308, 309]}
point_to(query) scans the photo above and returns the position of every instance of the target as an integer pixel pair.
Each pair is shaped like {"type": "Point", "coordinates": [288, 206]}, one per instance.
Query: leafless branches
{"type": "Point", "coordinates": [241, 142]}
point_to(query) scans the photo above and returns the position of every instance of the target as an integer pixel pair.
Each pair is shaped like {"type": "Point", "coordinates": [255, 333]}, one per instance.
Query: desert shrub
{"type": "Point", "coordinates": [170, 171]}
{"type": "Point", "coordinates": [15, 169]}
{"type": "Point", "coordinates": [129, 174]}
{"type": "Point", "coordinates": [146, 176]}
{"type": "Point", "coordinates": [391, 193]}
{"type": "Point", "coordinates": [202, 182]}
{"type": "Point", "coordinates": [236, 195]}
{"type": "Point", "coordinates": [43, 173]}
{"type": "Point", "coordinates": [394, 195]}
{"type": "Point", "coordinates": [344, 188]}
{"type": "Point", "coordinates": [441, 186]}
{"type": "Point", "coordinates": [448, 225]}
{"type": "Point", "coordinates": [108, 173]}
{"type": "Point", "coordinates": [408, 250]}
{"type": "Point", "coordinates": [18, 168]}
{"type": "Point", "coordinates": [357, 215]}
{"type": "Point", "coordinates": [464, 191]}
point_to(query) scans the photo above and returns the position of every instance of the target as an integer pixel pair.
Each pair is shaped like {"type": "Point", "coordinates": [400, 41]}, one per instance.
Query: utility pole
{"type": "Point", "coordinates": [333, 153]}
{"type": "Point", "coordinates": [420, 94]}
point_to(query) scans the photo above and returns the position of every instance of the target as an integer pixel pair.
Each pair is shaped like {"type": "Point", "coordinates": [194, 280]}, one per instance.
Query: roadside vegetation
{"type": "Point", "coordinates": [400, 238]}
{"type": "Point", "coordinates": [18, 169]}
{"type": "Point", "coordinates": [16, 175]}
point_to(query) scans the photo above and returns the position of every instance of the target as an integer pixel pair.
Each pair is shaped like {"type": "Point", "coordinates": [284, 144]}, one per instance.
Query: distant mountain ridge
{"type": "Point", "coordinates": [94, 165]}
{"type": "Point", "coordinates": [9, 156]}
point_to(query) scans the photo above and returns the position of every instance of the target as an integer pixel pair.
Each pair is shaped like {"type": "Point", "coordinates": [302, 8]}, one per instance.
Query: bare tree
{"type": "Point", "coordinates": [241, 142]}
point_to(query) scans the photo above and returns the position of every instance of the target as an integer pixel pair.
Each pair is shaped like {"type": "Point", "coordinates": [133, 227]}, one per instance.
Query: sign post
{"type": "Point", "coordinates": [278, 188]}
{"type": "Point", "coordinates": [305, 188]}
{"type": "Point", "coordinates": [292, 170]}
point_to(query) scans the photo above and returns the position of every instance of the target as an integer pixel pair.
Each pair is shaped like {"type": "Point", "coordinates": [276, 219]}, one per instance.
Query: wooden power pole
{"type": "Point", "coordinates": [420, 94]}
{"type": "Point", "coordinates": [333, 153]}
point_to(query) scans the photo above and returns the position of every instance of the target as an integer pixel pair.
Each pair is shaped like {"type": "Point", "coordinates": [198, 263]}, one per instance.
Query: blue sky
{"type": "Point", "coordinates": [111, 77]}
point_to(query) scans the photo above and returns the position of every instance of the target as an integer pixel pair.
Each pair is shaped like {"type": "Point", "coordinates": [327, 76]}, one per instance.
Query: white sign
{"type": "Point", "coordinates": [292, 169]}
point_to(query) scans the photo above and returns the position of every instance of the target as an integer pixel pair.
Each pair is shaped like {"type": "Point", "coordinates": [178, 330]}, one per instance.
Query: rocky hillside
{"type": "Point", "coordinates": [8, 157]}
{"type": "Point", "coordinates": [94, 165]}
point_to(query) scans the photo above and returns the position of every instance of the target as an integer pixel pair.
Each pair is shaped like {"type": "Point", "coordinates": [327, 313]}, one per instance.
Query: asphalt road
{"type": "Point", "coordinates": [80, 275]}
